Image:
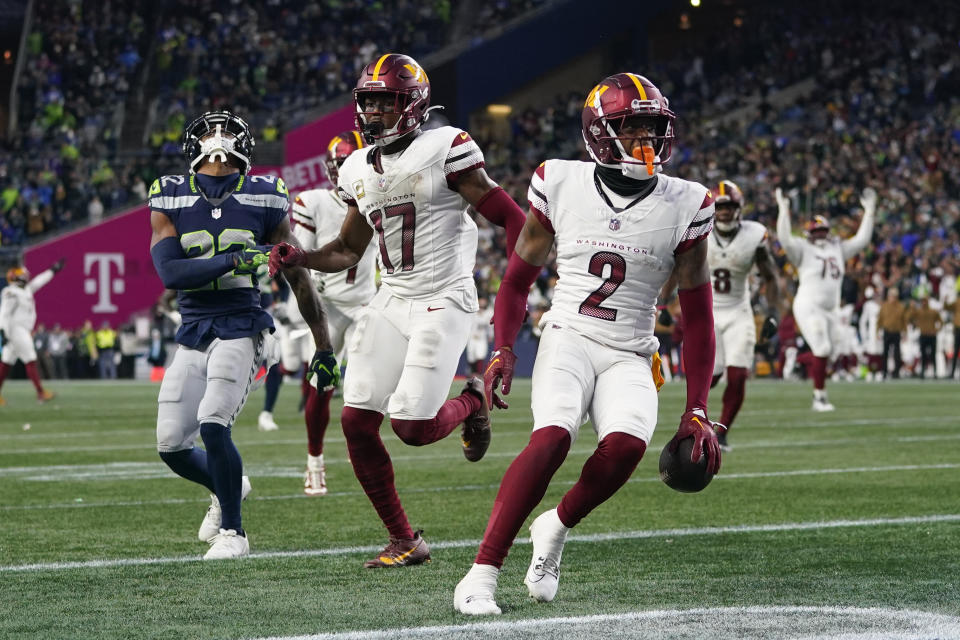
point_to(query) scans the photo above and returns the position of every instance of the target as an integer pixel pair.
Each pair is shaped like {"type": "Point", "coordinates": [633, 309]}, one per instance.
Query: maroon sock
{"type": "Point", "coordinates": [371, 464]}
{"type": "Point", "coordinates": [31, 368]}
{"type": "Point", "coordinates": [317, 415]}
{"type": "Point", "coordinates": [818, 372]}
{"type": "Point", "coordinates": [733, 395]}
{"type": "Point", "coordinates": [452, 413]}
{"type": "Point", "coordinates": [4, 371]}
{"type": "Point", "coordinates": [521, 489]}
{"type": "Point", "coordinates": [603, 473]}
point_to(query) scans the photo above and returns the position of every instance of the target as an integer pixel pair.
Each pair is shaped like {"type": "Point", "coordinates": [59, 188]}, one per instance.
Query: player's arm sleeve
{"type": "Point", "coordinates": [177, 271]}
{"type": "Point", "coordinates": [793, 246]}
{"type": "Point", "coordinates": [859, 241]}
{"type": "Point", "coordinates": [303, 224]}
{"type": "Point", "coordinates": [463, 157]}
{"type": "Point", "coordinates": [699, 228]}
{"type": "Point", "coordinates": [40, 280]}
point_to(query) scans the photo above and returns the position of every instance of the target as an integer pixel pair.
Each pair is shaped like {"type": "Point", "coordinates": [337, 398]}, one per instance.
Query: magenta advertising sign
{"type": "Point", "coordinates": [305, 147]}
{"type": "Point", "coordinates": [108, 274]}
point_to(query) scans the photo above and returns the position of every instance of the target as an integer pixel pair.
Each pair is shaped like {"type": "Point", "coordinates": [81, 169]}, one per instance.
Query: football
{"type": "Point", "coordinates": [678, 473]}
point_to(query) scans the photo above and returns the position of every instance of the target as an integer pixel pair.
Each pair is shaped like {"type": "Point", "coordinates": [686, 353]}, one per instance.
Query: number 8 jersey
{"type": "Point", "coordinates": [427, 242]}
{"type": "Point", "coordinates": [612, 263]}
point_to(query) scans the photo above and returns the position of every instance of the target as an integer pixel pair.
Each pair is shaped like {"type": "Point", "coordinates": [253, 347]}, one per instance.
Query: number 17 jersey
{"type": "Point", "coordinates": [427, 242]}
{"type": "Point", "coordinates": [612, 263]}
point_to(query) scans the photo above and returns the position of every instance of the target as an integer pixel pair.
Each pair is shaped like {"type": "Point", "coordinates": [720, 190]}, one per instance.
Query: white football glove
{"type": "Point", "coordinates": [868, 200]}
{"type": "Point", "coordinates": [783, 202]}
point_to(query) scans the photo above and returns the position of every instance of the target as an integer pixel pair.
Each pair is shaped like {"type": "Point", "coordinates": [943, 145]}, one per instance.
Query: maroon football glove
{"type": "Point", "coordinates": [286, 255]}
{"type": "Point", "coordinates": [695, 423]}
{"type": "Point", "coordinates": [499, 373]}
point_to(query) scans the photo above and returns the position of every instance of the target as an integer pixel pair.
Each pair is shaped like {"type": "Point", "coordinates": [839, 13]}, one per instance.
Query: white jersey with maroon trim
{"type": "Point", "coordinates": [731, 261]}
{"type": "Point", "coordinates": [17, 306]}
{"type": "Point", "coordinates": [611, 263]}
{"type": "Point", "coordinates": [427, 242]}
{"type": "Point", "coordinates": [318, 215]}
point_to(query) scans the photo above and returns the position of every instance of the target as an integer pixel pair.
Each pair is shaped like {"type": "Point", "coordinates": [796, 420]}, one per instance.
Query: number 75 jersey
{"type": "Point", "coordinates": [427, 242]}
{"type": "Point", "coordinates": [612, 263]}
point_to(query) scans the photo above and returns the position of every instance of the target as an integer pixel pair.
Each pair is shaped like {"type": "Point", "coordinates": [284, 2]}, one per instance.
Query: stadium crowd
{"type": "Point", "coordinates": [877, 106]}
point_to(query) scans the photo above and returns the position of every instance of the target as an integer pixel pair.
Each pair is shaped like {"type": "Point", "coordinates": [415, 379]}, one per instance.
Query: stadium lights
{"type": "Point", "coordinates": [694, 3]}
{"type": "Point", "coordinates": [502, 110]}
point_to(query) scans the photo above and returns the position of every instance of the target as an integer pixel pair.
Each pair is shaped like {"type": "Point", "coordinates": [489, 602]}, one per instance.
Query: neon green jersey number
{"type": "Point", "coordinates": [200, 245]}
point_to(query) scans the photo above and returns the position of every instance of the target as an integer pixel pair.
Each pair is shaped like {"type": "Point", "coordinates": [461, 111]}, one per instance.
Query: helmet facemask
{"type": "Point", "coordinates": [218, 136]}
{"type": "Point", "coordinates": [404, 103]}
{"type": "Point", "coordinates": [726, 224]}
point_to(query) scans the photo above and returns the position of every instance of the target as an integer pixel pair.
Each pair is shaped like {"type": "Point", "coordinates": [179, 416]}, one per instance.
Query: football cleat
{"type": "Point", "coordinates": [822, 405]}
{"type": "Point", "coordinates": [401, 553]}
{"type": "Point", "coordinates": [45, 395]}
{"type": "Point", "coordinates": [543, 575]}
{"type": "Point", "coordinates": [475, 433]}
{"type": "Point", "coordinates": [210, 527]}
{"type": "Point", "coordinates": [315, 478]}
{"type": "Point", "coordinates": [474, 593]}
{"type": "Point", "coordinates": [228, 544]}
{"type": "Point", "coordinates": [722, 439]}
{"type": "Point", "coordinates": [265, 422]}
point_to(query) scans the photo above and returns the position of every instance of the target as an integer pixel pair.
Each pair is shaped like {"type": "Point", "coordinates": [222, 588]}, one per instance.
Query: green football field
{"type": "Point", "coordinates": [840, 525]}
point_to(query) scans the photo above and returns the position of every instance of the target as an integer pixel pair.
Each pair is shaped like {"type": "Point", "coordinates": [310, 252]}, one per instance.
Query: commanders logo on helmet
{"type": "Point", "coordinates": [341, 146]}
{"type": "Point", "coordinates": [614, 100]}
{"type": "Point", "coordinates": [818, 224]}
{"type": "Point", "coordinates": [401, 81]}
{"type": "Point", "coordinates": [219, 135]}
{"type": "Point", "coordinates": [18, 274]}
{"type": "Point", "coordinates": [679, 473]}
{"type": "Point", "coordinates": [728, 200]}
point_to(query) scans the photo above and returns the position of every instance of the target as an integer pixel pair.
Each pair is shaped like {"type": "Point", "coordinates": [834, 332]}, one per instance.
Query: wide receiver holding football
{"type": "Point", "coordinates": [621, 229]}
{"type": "Point", "coordinates": [411, 190]}
{"type": "Point", "coordinates": [820, 261]}
{"type": "Point", "coordinates": [317, 217]}
{"type": "Point", "coordinates": [734, 247]}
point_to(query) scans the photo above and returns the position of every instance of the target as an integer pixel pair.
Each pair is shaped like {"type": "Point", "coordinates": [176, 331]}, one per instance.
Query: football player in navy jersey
{"type": "Point", "coordinates": [211, 229]}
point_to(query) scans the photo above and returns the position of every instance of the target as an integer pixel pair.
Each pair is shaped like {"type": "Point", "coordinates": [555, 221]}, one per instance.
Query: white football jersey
{"type": "Point", "coordinates": [427, 242]}
{"type": "Point", "coordinates": [821, 264]}
{"type": "Point", "coordinates": [611, 263]}
{"type": "Point", "coordinates": [731, 261]}
{"type": "Point", "coordinates": [318, 215]}
{"type": "Point", "coordinates": [17, 306]}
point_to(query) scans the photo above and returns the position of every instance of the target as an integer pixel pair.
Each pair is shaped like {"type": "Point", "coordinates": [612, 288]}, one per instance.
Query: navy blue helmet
{"type": "Point", "coordinates": [216, 134]}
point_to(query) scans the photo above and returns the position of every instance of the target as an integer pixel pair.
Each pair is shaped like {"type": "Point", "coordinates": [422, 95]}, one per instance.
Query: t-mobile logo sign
{"type": "Point", "coordinates": [101, 282]}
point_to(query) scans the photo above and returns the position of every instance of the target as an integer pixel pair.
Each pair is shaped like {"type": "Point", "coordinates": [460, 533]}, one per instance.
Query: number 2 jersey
{"type": "Point", "coordinates": [229, 307]}
{"type": "Point", "coordinates": [427, 242]}
{"type": "Point", "coordinates": [318, 215]}
{"type": "Point", "coordinates": [731, 261]}
{"type": "Point", "coordinates": [611, 264]}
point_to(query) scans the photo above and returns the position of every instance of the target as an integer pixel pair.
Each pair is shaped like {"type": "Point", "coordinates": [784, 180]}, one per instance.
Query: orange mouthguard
{"type": "Point", "coordinates": [645, 154]}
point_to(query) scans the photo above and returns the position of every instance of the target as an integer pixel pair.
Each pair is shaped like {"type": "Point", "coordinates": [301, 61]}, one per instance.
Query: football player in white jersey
{"type": "Point", "coordinates": [318, 215]}
{"type": "Point", "coordinates": [820, 261]}
{"type": "Point", "coordinates": [18, 314]}
{"type": "Point", "coordinates": [620, 229]}
{"type": "Point", "coordinates": [734, 247]}
{"type": "Point", "coordinates": [870, 335]}
{"type": "Point", "coordinates": [410, 192]}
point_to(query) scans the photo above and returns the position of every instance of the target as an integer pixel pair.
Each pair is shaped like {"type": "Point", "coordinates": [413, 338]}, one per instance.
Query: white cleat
{"type": "Point", "coordinates": [210, 527]}
{"type": "Point", "coordinates": [315, 478]}
{"type": "Point", "coordinates": [548, 536]}
{"type": "Point", "coordinates": [265, 422]}
{"type": "Point", "coordinates": [474, 593]}
{"type": "Point", "coordinates": [228, 544]}
{"type": "Point", "coordinates": [822, 406]}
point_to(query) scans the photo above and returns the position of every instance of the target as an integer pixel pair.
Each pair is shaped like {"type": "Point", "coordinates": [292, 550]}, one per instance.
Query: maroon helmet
{"type": "Point", "coordinates": [612, 101]}
{"type": "Point", "coordinates": [403, 78]}
{"type": "Point", "coordinates": [342, 145]}
{"type": "Point", "coordinates": [727, 193]}
{"type": "Point", "coordinates": [818, 227]}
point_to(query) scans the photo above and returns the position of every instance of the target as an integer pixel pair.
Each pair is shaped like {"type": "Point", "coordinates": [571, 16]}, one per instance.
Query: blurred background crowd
{"type": "Point", "coordinates": [793, 95]}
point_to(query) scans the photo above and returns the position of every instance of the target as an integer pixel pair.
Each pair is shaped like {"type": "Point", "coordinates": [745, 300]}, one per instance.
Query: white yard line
{"type": "Point", "coordinates": [715, 622]}
{"type": "Point", "coordinates": [297, 473]}
{"type": "Point", "coordinates": [452, 544]}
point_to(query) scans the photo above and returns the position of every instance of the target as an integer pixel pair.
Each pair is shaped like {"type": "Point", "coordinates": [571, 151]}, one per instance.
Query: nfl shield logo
{"type": "Point", "coordinates": [614, 224]}
{"type": "Point", "coordinates": [215, 213]}
{"type": "Point", "coordinates": [382, 181]}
